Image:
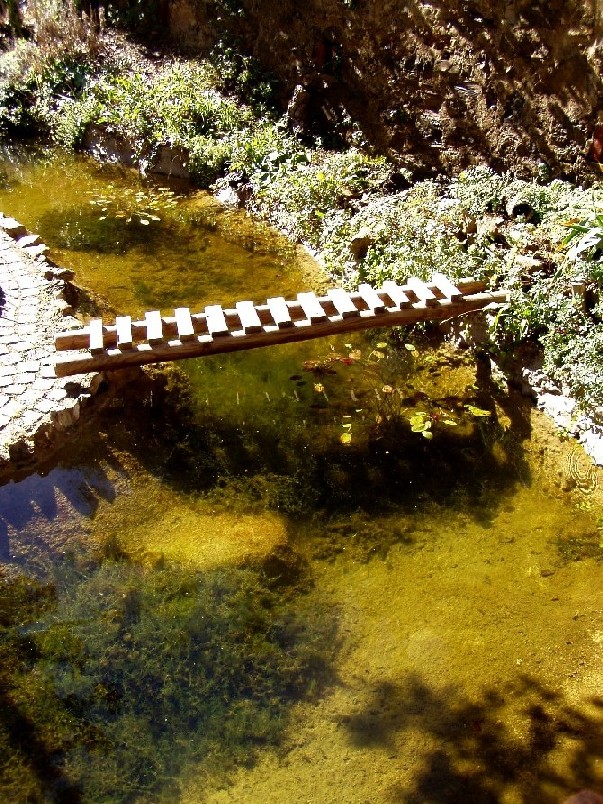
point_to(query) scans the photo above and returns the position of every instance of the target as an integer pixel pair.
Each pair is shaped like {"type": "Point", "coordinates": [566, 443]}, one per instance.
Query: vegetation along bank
{"type": "Point", "coordinates": [366, 212]}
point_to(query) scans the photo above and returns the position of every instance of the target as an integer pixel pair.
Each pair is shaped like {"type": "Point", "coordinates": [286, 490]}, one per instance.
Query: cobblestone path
{"type": "Point", "coordinates": [34, 403]}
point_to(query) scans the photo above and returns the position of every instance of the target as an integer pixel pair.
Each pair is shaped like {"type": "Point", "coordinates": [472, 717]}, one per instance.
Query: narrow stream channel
{"type": "Point", "coordinates": [334, 571]}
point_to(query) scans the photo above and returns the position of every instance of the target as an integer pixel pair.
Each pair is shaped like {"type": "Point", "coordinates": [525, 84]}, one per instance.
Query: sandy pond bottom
{"type": "Point", "coordinates": [470, 671]}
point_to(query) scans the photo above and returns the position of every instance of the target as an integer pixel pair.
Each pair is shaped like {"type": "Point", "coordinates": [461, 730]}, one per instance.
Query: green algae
{"type": "Point", "coordinates": [127, 673]}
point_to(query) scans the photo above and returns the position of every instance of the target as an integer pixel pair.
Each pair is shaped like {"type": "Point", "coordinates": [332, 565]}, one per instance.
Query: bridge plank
{"type": "Point", "coordinates": [343, 303]}
{"type": "Point", "coordinates": [311, 307]}
{"type": "Point", "coordinates": [422, 292]}
{"type": "Point", "coordinates": [371, 297]}
{"type": "Point", "coordinates": [154, 325]}
{"type": "Point", "coordinates": [446, 286]}
{"type": "Point", "coordinates": [184, 322]}
{"type": "Point", "coordinates": [216, 321]}
{"type": "Point", "coordinates": [123, 324]}
{"type": "Point", "coordinates": [397, 295]}
{"type": "Point", "coordinates": [280, 312]}
{"type": "Point", "coordinates": [248, 315]}
{"type": "Point", "coordinates": [96, 344]}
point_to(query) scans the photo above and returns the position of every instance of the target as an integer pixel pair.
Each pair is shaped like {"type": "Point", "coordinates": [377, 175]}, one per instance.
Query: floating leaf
{"type": "Point", "coordinates": [348, 345]}
{"type": "Point", "coordinates": [449, 422]}
{"type": "Point", "coordinates": [477, 411]}
{"type": "Point", "coordinates": [382, 345]}
{"type": "Point", "coordinates": [144, 221]}
{"type": "Point", "coordinates": [427, 434]}
{"type": "Point", "coordinates": [356, 354]}
{"type": "Point", "coordinates": [417, 418]}
{"type": "Point", "coordinates": [410, 347]}
{"type": "Point", "coordinates": [378, 355]}
{"type": "Point", "coordinates": [345, 438]}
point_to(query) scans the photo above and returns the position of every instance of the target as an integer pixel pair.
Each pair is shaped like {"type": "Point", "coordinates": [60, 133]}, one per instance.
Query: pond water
{"type": "Point", "coordinates": [333, 571]}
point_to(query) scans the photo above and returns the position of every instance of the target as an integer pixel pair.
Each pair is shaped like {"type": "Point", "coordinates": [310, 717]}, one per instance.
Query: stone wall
{"type": "Point", "coordinates": [436, 84]}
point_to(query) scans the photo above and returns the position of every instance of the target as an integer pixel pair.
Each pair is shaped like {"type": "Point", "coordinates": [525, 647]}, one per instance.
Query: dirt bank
{"type": "Point", "coordinates": [435, 85]}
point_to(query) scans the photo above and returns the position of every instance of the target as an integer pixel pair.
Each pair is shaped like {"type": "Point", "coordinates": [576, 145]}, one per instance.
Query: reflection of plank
{"type": "Point", "coordinates": [96, 336]}
{"type": "Point", "coordinates": [311, 307]}
{"type": "Point", "coordinates": [343, 303]}
{"type": "Point", "coordinates": [248, 315]}
{"type": "Point", "coordinates": [184, 322]}
{"type": "Point", "coordinates": [124, 331]}
{"type": "Point", "coordinates": [154, 327]}
{"type": "Point", "coordinates": [280, 312]}
{"type": "Point", "coordinates": [216, 321]}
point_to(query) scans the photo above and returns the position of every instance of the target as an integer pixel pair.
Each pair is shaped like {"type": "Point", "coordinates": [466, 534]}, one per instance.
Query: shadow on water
{"type": "Point", "coordinates": [479, 753]}
{"type": "Point", "coordinates": [36, 499]}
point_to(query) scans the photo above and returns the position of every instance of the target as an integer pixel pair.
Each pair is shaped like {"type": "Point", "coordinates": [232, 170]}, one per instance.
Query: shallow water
{"type": "Point", "coordinates": [259, 585]}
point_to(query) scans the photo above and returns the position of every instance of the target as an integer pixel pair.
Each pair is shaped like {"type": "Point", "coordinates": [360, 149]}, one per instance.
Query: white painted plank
{"type": "Point", "coordinates": [371, 297]}
{"type": "Point", "coordinates": [154, 326]}
{"type": "Point", "coordinates": [311, 307]}
{"type": "Point", "coordinates": [446, 286]}
{"type": "Point", "coordinates": [279, 312]}
{"type": "Point", "coordinates": [343, 303]}
{"type": "Point", "coordinates": [396, 294]}
{"type": "Point", "coordinates": [96, 336]}
{"type": "Point", "coordinates": [184, 322]}
{"type": "Point", "coordinates": [123, 324]}
{"type": "Point", "coordinates": [248, 315]}
{"type": "Point", "coordinates": [216, 321]}
{"type": "Point", "coordinates": [423, 293]}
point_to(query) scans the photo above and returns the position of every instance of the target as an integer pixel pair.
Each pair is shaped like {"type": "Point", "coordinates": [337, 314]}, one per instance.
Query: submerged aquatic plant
{"type": "Point", "coordinates": [133, 204]}
{"type": "Point", "coordinates": [124, 673]}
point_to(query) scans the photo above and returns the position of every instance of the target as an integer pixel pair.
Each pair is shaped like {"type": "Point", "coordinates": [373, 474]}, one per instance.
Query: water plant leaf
{"type": "Point", "coordinates": [410, 347]}
{"type": "Point", "coordinates": [427, 434]}
{"type": "Point", "coordinates": [474, 411]}
{"type": "Point", "coordinates": [381, 345]}
{"type": "Point", "coordinates": [345, 438]}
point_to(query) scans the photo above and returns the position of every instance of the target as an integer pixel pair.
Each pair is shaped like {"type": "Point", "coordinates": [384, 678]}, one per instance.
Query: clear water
{"type": "Point", "coordinates": [260, 585]}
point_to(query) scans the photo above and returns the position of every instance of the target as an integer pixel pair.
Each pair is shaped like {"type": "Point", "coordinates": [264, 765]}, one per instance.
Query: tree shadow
{"type": "Point", "coordinates": [44, 499]}
{"type": "Point", "coordinates": [504, 742]}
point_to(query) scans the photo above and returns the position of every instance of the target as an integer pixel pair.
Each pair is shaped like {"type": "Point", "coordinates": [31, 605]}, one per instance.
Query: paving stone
{"type": "Point", "coordinates": [31, 417]}
{"type": "Point", "coordinates": [44, 405]}
{"type": "Point", "coordinates": [57, 394]}
{"type": "Point", "coordinates": [29, 367]}
{"type": "Point", "coordinates": [33, 309]}
{"type": "Point", "coordinates": [43, 384]}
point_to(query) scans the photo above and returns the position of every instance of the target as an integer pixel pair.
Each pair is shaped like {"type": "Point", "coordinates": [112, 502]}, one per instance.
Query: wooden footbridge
{"type": "Point", "coordinates": [160, 338]}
